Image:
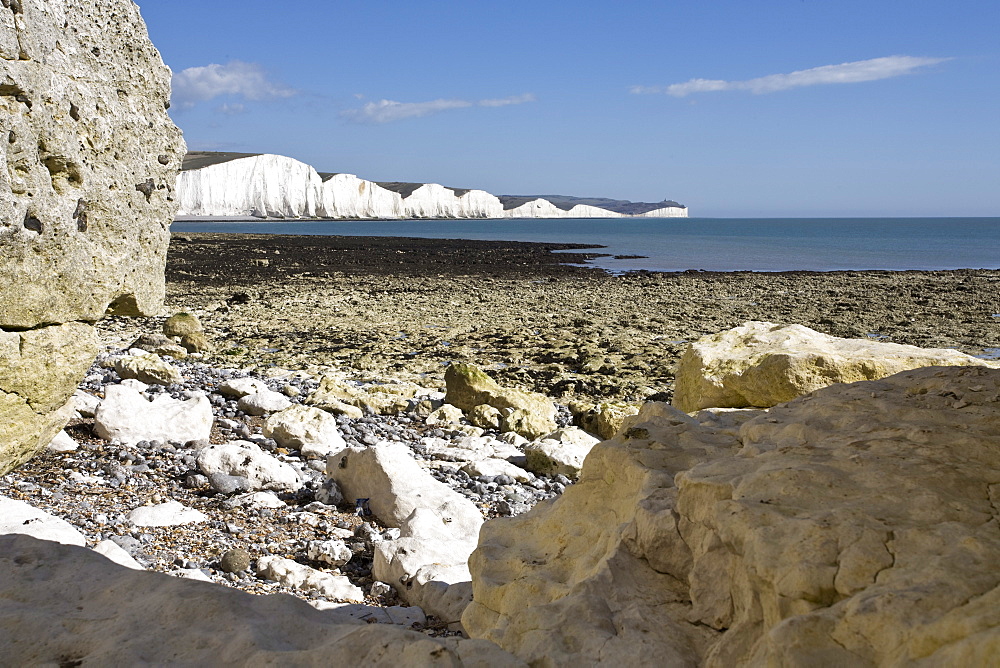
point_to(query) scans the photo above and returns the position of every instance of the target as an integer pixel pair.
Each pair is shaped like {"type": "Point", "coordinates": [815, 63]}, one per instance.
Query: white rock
{"type": "Point", "coordinates": [109, 615]}
{"type": "Point", "coordinates": [561, 452]}
{"type": "Point", "coordinates": [240, 387]}
{"type": "Point", "coordinates": [438, 526]}
{"type": "Point", "coordinates": [20, 517]}
{"type": "Point", "coordinates": [760, 364]}
{"type": "Point", "coordinates": [514, 439]}
{"type": "Point", "coordinates": [134, 384]}
{"type": "Point", "coordinates": [396, 485]}
{"type": "Point", "coordinates": [262, 403]}
{"type": "Point", "coordinates": [446, 415]}
{"type": "Point", "coordinates": [63, 442]}
{"type": "Point", "coordinates": [126, 415]}
{"type": "Point", "coordinates": [197, 574]}
{"type": "Point", "coordinates": [333, 552]}
{"type": "Point", "coordinates": [115, 553]}
{"type": "Point", "coordinates": [298, 426]}
{"type": "Point", "coordinates": [429, 560]}
{"type": "Point", "coordinates": [280, 187]}
{"type": "Point", "coordinates": [573, 436]}
{"type": "Point", "coordinates": [259, 500]}
{"type": "Point", "coordinates": [299, 576]}
{"type": "Point", "coordinates": [241, 458]}
{"type": "Point", "coordinates": [167, 514]}
{"type": "Point", "coordinates": [495, 467]}
{"type": "Point", "coordinates": [468, 448]}
{"type": "Point", "coordinates": [86, 403]}
{"type": "Point", "coordinates": [542, 208]}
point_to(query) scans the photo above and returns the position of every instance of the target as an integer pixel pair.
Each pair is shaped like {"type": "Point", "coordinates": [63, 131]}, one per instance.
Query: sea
{"type": "Point", "coordinates": [709, 244]}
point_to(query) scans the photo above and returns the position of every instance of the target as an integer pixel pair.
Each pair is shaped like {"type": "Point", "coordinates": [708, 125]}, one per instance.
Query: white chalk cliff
{"type": "Point", "coordinates": [275, 186]}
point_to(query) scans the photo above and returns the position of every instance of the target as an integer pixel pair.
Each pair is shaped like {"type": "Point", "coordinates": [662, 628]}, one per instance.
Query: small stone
{"type": "Point", "coordinates": [182, 324]}
{"type": "Point", "coordinates": [379, 589]}
{"type": "Point", "coordinates": [196, 343]}
{"type": "Point", "coordinates": [235, 561]}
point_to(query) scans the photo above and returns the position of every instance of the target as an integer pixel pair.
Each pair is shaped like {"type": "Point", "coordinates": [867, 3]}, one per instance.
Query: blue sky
{"type": "Point", "coordinates": [732, 107]}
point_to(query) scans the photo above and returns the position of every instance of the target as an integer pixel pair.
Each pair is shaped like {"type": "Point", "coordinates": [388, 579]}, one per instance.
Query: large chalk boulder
{"type": "Point", "coordinates": [439, 527]}
{"type": "Point", "coordinates": [853, 526]}
{"type": "Point", "coordinates": [62, 605]}
{"type": "Point", "coordinates": [247, 460]}
{"type": "Point", "coordinates": [88, 160]}
{"type": "Point", "coordinates": [127, 415]}
{"type": "Point", "coordinates": [301, 426]}
{"type": "Point", "coordinates": [760, 364]}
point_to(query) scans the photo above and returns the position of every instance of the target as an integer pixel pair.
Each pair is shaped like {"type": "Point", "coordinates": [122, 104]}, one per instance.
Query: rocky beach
{"type": "Point", "coordinates": [404, 308]}
{"type": "Point", "coordinates": [387, 317]}
{"type": "Point", "coordinates": [262, 450]}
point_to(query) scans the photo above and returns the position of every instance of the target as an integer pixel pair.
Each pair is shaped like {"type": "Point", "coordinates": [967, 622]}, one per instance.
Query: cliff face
{"type": "Point", "coordinates": [274, 186]}
{"type": "Point", "coordinates": [88, 159]}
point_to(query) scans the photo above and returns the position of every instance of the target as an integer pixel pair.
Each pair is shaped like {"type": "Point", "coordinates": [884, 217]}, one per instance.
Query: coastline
{"type": "Point", "coordinates": [405, 307]}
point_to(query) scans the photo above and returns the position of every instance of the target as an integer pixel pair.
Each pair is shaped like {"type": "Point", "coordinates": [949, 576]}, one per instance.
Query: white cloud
{"type": "Point", "coordinates": [246, 80]}
{"type": "Point", "coordinates": [387, 111]}
{"type": "Point", "coordinates": [504, 101]}
{"type": "Point", "coordinates": [855, 72]}
{"type": "Point", "coordinates": [231, 109]}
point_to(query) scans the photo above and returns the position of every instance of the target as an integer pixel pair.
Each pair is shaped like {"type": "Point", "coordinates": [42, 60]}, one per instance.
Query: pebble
{"type": "Point", "coordinates": [235, 561]}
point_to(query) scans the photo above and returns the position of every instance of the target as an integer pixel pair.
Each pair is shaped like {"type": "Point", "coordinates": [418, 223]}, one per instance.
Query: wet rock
{"type": "Point", "coordinates": [532, 415]}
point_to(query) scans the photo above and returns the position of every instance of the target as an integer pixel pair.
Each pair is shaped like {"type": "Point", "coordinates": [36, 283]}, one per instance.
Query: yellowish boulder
{"type": "Point", "coordinates": [39, 370]}
{"type": "Point", "coordinates": [854, 526]}
{"type": "Point", "coordinates": [760, 364]}
{"type": "Point", "coordinates": [531, 414]}
{"type": "Point", "coordinates": [182, 324]}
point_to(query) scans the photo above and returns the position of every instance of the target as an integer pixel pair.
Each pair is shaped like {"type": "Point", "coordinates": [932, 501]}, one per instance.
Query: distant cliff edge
{"type": "Point", "coordinates": [254, 185]}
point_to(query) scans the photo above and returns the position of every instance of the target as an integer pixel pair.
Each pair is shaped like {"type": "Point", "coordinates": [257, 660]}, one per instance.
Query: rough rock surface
{"type": "Point", "coordinates": [300, 576]}
{"type": "Point", "coordinates": [300, 426]}
{"type": "Point", "coordinates": [531, 414]}
{"type": "Point", "coordinates": [87, 167]}
{"type": "Point", "coordinates": [126, 414]}
{"type": "Point", "coordinates": [64, 605]}
{"type": "Point", "coordinates": [427, 564]}
{"type": "Point", "coordinates": [762, 364]}
{"type": "Point", "coordinates": [247, 460]}
{"type": "Point", "coordinates": [148, 369]}
{"type": "Point", "coordinates": [854, 526]}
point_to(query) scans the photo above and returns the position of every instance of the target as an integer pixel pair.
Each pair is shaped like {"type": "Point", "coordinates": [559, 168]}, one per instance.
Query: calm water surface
{"type": "Point", "coordinates": [713, 244]}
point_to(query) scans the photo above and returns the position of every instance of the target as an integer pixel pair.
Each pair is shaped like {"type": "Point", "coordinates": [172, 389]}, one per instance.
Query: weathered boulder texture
{"type": "Point", "coordinates": [88, 159]}
{"type": "Point", "coordinates": [854, 526]}
{"type": "Point", "coordinates": [67, 605]}
{"type": "Point", "coordinates": [762, 364]}
{"type": "Point", "coordinates": [528, 413]}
